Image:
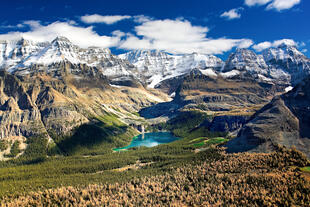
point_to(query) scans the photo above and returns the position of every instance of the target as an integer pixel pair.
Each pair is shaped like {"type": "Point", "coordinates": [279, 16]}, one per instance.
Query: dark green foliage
{"type": "Point", "coordinates": [82, 170]}
{"type": "Point", "coordinates": [93, 161]}
{"type": "Point", "coordinates": [36, 150]}
{"type": "Point", "coordinates": [3, 145]}
{"type": "Point", "coordinates": [98, 137]}
{"type": "Point", "coordinates": [14, 149]}
{"type": "Point", "coordinates": [188, 119]}
{"type": "Point", "coordinates": [36, 147]}
{"type": "Point", "coordinates": [188, 124]}
{"type": "Point", "coordinates": [87, 136]}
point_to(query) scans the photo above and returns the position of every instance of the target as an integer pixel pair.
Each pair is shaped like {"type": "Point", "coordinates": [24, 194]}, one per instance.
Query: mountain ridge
{"type": "Point", "coordinates": [284, 121]}
{"type": "Point", "coordinates": [283, 64]}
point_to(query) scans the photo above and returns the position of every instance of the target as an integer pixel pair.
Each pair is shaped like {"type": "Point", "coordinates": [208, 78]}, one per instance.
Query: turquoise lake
{"type": "Point", "coordinates": [150, 140]}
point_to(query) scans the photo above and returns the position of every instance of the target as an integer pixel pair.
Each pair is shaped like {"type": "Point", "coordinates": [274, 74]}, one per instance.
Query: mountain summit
{"type": "Point", "coordinates": [158, 66]}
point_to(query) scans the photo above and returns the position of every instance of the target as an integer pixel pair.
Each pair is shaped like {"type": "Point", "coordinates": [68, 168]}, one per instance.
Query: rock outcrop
{"type": "Point", "coordinates": [43, 105]}
{"type": "Point", "coordinates": [284, 121]}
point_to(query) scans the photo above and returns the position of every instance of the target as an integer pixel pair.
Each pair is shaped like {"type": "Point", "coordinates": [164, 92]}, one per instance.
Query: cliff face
{"type": "Point", "coordinates": [217, 95]}
{"type": "Point", "coordinates": [44, 105]}
{"type": "Point", "coordinates": [19, 114]}
{"type": "Point", "coordinates": [284, 121]}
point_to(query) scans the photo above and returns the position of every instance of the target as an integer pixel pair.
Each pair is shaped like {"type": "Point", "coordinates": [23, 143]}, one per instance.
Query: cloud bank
{"type": "Point", "coordinates": [278, 5]}
{"type": "Point", "coordinates": [179, 37]}
{"type": "Point", "coordinates": [282, 4]}
{"type": "Point", "coordinates": [82, 36]}
{"type": "Point", "coordinates": [265, 45]}
{"type": "Point", "coordinates": [96, 18]}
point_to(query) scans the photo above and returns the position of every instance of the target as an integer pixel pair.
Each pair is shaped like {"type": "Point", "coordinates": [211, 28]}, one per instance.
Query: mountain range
{"type": "Point", "coordinates": [52, 88]}
{"type": "Point", "coordinates": [283, 64]}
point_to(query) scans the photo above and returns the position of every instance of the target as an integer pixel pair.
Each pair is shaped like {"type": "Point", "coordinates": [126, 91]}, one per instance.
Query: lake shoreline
{"type": "Point", "coordinates": [150, 139]}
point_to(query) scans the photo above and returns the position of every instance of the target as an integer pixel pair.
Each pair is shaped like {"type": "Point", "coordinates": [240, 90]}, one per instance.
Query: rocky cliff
{"type": "Point", "coordinates": [284, 121]}
{"type": "Point", "coordinates": [42, 105]}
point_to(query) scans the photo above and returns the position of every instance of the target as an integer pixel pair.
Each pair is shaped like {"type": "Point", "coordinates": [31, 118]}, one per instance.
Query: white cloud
{"type": "Point", "coordinates": [174, 36]}
{"type": "Point", "coordinates": [96, 18]}
{"type": "Point", "coordinates": [265, 45]}
{"type": "Point", "coordinates": [282, 4]}
{"type": "Point", "coordinates": [232, 14]}
{"type": "Point", "coordinates": [11, 26]}
{"type": "Point", "coordinates": [72, 22]}
{"type": "Point", "coordinates": [179, 37]}
{"type": "Point", "coordinates": [141, 18]}
{"type": "Point", "coordinates": [171, 30]}
{"type": "Point", "coordinates": [278, 5]}
{"type": "Point", "coordinates": [81, 36]}
{"type": "Point", "coordinates": [256, 2]}
{"type": "Point", "coordinates": [32, 23]}
{"type": "Point", "coordinates": [245, 43]}
{"type": "Point", "coordinates": [262, 46]}
{"type": "Point", "coordinates": [284, 41]}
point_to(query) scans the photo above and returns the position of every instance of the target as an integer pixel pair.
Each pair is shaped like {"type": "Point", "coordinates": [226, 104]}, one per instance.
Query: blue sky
{"type": "Point", "coordinates": [175, 26]}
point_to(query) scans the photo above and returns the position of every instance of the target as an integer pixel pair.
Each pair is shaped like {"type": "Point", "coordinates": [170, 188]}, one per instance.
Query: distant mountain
{"type": "Point", "coordinates": [27, 57]}
{"type": "Point", "coordinates": [288, 60]}
{"type": "Point", "coordinates": [284, 121]}
{"type": "Point", "coordinates": [158, 66]}
{"type": "Point", "coordinates": [283, 64]}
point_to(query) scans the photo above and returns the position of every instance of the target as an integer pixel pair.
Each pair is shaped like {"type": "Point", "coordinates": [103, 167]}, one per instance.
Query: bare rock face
{"type": "Point", "coordinates": [44, 105]}
{"type": "Point", "coordinates": [22, 109]}
{"type": "Point", "coordinates": [227, 123]}
{"type": "Point", "coordinates": [18, 114]}
{"type": "Point", "coordinates": [218, 94]}
{"type": "Point", "coordinates": [284, 121]}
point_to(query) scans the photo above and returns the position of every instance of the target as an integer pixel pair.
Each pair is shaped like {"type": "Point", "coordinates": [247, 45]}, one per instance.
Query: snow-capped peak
{"type": "Point", "coordinates": [282, 52]}
{"type": "Point", "coordinates": [60, 49]}
{"type": "Point", "coordinates": [287, 59]}
{"type": "Point", "coordinates": [158, 65]}
{"type": "Point", "coordinates": [61, 39]}
{"type": "Point", "coordinates": [14, 52]}
{"type": "Point", "coordinates": [245, 59]}
{"type": "Point", "coordinates": [282, 64]}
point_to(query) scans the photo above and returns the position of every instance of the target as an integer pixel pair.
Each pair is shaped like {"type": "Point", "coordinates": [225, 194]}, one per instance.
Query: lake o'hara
{"type": "Point", "coordinates": [150, 140]}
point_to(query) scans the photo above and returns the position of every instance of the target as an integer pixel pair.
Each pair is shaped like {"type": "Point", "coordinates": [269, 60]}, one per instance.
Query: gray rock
{"type": "Point", "coordinates": [284, 121]}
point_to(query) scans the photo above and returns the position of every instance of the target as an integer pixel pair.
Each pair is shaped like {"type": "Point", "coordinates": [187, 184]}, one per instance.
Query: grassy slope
{"type": "Point", "coordinates": [306, 169]}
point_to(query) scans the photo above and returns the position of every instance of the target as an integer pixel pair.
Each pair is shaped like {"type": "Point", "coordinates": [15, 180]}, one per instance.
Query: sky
{"type": "Point", "coordinates": [175, 26]}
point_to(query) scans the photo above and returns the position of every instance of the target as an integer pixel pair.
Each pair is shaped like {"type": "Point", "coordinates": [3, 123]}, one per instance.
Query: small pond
{"type": "Point", "coordinates": [150, 140]}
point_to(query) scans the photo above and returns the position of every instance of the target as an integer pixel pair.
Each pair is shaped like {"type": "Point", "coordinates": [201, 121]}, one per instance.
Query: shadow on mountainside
{"type": "Point", "coordinates": [89, 136]}
{"type": "Point", "coordinates": [168, 109]}
{"type": "Point", "coordinates": [285, 121]}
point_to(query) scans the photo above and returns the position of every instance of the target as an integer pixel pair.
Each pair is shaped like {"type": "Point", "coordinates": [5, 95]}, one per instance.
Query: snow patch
{"type": "Point", "coordinates": [289, 88]}
{"type": "Point", "coordinates": [230, 74]}
{"type": "Point", "coordinates": [208, 72]}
